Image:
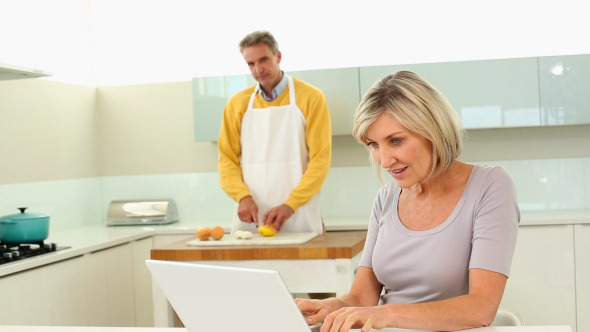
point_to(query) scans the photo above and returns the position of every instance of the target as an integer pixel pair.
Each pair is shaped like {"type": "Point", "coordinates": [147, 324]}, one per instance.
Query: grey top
{"type": "Point", "coordinates": [432, 265]}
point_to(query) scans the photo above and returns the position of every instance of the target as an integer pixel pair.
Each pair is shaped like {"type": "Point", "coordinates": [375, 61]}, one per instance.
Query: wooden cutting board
{"type": "Point", "coordinates": [330, 245]}
{"type": "Point", "coordinates": [256, 240]}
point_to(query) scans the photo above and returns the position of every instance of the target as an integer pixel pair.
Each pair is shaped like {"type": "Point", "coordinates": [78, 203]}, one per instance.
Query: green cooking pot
{"type": "Point", "coordinates": [24, 227]}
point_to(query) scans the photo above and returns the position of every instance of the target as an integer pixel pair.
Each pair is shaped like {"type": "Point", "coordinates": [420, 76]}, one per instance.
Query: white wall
{"type": "Point", "coordinates": [180, 39]}
{"type": "Point", "coordinates": [68, 149]}
{"type": "Point", "coordinates": [47, 131]}
{"type": "Point", "coordinates": [49, 35]}
{"type": "Point", "coordinates": [112, 42]}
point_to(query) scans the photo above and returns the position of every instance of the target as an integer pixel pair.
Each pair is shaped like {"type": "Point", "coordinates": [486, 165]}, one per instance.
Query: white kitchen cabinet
{"type": "Point", "coordinates": [209, 97]}
{"type": "Point", "coordinates": [340, 87]}
{"type": "Point", "coordinates": [54, 294]}
{"type": "Point", "coordinates": [542, 283]}
{"type": "Point", "coordinates": [485, 94]}
{"type": "Point", "coordinates": [110, 287]}
{"type": "Point", "coordinates": [519, 92]}
{"type": "Point", "coordinates": [120, 285]}
{"type": "Point", "coordinates": [142, 283]}
{"type": "Point", "coordinates": [582, 240]}
{"type": "Point", "coordinates": [565, 86]}
{"type": "Point", "coordinates": [11, 72]}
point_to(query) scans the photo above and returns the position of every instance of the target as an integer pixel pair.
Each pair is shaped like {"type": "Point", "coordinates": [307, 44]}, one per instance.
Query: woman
{"type": "Point", "coordinates": [441, 236]}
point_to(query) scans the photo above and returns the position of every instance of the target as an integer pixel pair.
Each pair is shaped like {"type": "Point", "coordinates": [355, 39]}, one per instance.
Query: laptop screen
{"type": "Point", "coordinates": [221, 298]}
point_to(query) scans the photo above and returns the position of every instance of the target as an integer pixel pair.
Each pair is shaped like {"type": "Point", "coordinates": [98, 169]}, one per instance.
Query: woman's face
{"type": "Point", "coordinates": [406, 155]}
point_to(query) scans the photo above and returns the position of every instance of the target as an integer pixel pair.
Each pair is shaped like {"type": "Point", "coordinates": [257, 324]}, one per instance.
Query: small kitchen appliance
{"type": "Point", "coordinates": [142, 212]}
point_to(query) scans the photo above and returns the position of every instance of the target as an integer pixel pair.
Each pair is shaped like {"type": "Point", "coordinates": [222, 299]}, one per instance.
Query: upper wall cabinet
{"type": "Point", "coordinates": [518, 92]}
{"type": "Point", "coordinates": [340, 86]}
{"type": "Point", "coordinates": [486, 94]}
{"type": "Point", "coordinates": [209, 97]}
{"type": "Point", "coordinates": [10, 72]}
{"type": "Point", "coordinates": [565, 89]}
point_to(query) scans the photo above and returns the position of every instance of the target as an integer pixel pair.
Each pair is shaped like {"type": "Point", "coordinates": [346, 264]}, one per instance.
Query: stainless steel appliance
{"type": "Point", "coordinates": [142, 212]}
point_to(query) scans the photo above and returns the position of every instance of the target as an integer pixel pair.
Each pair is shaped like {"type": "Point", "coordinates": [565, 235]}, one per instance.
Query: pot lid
{"type": "Point", "coordinates": [24, 215]}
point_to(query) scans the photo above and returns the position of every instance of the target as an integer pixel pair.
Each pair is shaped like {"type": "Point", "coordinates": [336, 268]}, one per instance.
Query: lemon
{"type": "Point", "coordinates": [266, 231]}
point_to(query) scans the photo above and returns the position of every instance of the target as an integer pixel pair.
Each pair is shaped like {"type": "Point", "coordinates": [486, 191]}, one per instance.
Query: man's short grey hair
{"type": "Point", "coordinates": [260, 37]}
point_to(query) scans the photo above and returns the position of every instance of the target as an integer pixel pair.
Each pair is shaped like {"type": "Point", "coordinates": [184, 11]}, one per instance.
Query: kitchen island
{"type": "Point", "coordinates": [325, 264]}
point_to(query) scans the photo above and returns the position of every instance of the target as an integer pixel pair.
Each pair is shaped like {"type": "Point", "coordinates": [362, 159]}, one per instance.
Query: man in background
{"type": "Point", "coordinates": [274, 145]}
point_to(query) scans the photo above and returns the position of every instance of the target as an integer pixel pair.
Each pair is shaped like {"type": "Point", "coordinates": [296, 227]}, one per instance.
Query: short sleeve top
{"type": "Point", "coordinates": [432, 265]}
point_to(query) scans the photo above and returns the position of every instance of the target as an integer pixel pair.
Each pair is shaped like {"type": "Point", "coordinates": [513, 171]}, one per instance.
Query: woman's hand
{"type": "Point", "coordinates": [365, 318]}
{"type": "Point", "coordinates": [314, 311]}
{"type": "Point", "coordinates": [361, 305]}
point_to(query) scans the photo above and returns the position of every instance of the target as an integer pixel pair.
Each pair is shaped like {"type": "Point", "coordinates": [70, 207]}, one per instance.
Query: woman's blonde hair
{"type": "Point", "coordinates": [419, 107]}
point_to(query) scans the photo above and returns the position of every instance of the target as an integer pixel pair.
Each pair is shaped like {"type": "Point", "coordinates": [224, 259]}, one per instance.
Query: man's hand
{"type": "Point", "coordinates": [248, 210]}
{"type": "Point", "coordinates": [277, 216]}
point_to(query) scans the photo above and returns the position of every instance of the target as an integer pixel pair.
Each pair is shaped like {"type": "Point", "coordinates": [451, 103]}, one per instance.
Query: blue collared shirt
{"type": "Point", "coordinates": [277, 90]}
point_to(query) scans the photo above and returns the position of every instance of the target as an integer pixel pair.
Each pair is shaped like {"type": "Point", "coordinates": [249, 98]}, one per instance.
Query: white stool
{"type": "Point", "coordinates": [506, 317]}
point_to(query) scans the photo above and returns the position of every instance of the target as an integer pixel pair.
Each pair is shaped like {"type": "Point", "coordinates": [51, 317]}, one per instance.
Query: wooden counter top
{"type": "Point", "coordinates": [330, 245]}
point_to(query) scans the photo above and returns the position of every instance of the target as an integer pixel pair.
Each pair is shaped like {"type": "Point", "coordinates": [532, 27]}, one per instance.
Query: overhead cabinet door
{"type": "Point", "coordinates": [485, 94]}
{"type": "Point", "coordinates": [209, 97]}
{"type": "Point", "coordinates": [340, 86]}
{"type": "Point", "coordinates": [565, 89]}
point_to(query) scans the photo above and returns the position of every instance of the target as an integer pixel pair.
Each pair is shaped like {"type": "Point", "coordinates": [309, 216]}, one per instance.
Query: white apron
{"type": "Point", "coordinates": [274, 158]}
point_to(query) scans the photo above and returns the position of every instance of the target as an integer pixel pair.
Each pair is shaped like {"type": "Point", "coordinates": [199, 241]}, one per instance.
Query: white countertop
{"type": "Point", "coordinates": [555, 217]}
{"type": "Point", "coordinates": [527, 218]}
{"type": "Point", "coordinates": [171, 329]}
{"type": "Point", "coordinates": [83, 240]}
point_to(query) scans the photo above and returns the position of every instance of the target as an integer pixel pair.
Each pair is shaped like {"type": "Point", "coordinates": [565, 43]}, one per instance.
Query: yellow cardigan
{"type": "Point", "coordinates": [318, 134]}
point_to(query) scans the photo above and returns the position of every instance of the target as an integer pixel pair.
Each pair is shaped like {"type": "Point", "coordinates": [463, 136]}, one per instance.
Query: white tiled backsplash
{"type": "Point", "coordinates": [544, 184]}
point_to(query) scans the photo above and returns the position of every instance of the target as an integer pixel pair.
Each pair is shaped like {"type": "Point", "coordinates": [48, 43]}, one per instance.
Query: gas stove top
{"type": "Point", "coordinates": [11, 252]}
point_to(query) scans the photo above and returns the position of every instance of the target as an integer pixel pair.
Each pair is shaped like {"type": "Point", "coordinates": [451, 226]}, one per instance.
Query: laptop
{"type": "Point", "coordinates": [221, 298]}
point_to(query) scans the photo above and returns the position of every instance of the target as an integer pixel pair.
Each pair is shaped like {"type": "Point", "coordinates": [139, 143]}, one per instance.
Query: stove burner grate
{"type": "Point", "coordinates": [11, 252]}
